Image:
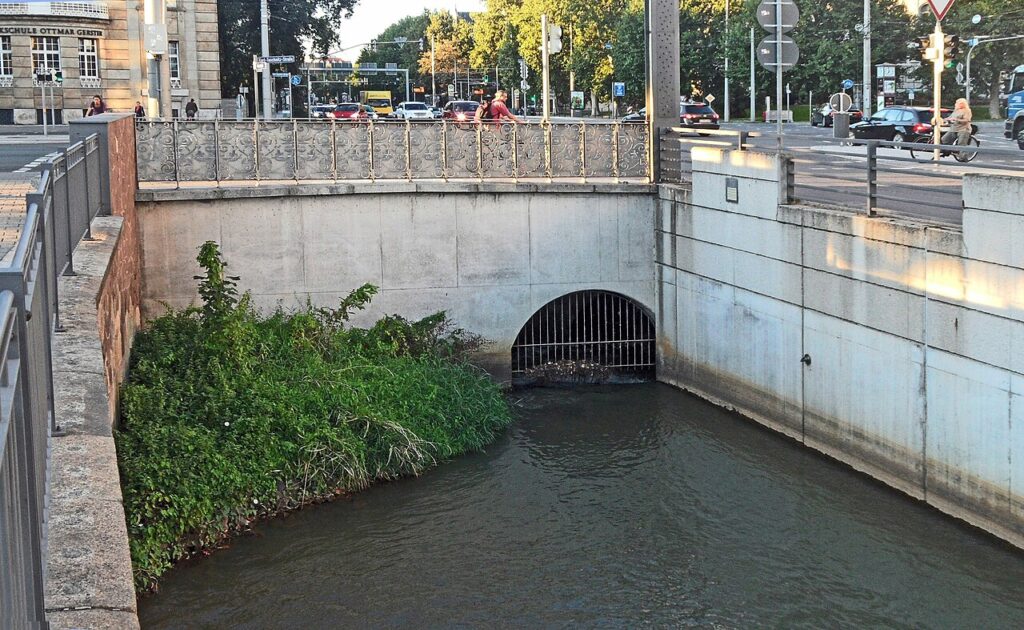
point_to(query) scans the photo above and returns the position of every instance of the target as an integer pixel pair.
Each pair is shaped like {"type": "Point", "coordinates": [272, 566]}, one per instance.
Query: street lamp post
{"type": "Point", "coordinates": [726, 112]}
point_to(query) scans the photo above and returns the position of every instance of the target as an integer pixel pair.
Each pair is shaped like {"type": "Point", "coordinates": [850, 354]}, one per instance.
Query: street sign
{"type": "Point", "coordinates": [576, 100]}
{"type": "Point", "coordinates": [296, 79]}
{"type": "Point", "coordinates": [766, 14]}
{"type": "Point", "coordinates": [618, 89]}
{"type": "Point", "coordinates": [766, 52]}
{"type": "Point", "coordinates": [710, 98]}
{"type": "Point", "coordinates": [848, 84]}
{"type": "Point", "coordinates": [940, 7]}
{"type": "Point", "coordinates": [959, 67]}
{"type": "Point", "coordinates": [523, 85]}
{"type": "Point", "coordinates": [280, 75]}
{"type": "Point", "coordinates": [243, 90]}
{"type": "Point", "coordinates": [279, 59]}
{"type": "Point", "coordinates": [451, 91]}
{"type": "Point", "coordinates": [259, 66]}
{"type": "Point", "coordinates": [841, 102]}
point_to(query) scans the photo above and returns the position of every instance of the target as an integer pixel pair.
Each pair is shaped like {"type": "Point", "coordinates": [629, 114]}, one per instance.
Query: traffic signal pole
{"type": "Point", "coordinates": [546, 87]}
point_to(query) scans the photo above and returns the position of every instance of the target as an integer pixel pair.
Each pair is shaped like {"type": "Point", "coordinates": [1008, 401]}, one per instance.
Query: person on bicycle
{"type": "Point", "coordinates": [959, 124]}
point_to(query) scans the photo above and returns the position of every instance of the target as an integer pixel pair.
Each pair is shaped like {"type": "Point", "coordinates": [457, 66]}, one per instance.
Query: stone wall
{"type": "Point", "coordinates": [89, 582]}
{"type": "Point", "coordinates": [891, 345]}
{"type": "Point", "coordinates": [489, 254]}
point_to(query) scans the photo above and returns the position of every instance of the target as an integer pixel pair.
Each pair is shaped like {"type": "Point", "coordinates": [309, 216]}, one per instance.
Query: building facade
{"type": "Point", "coordinates": [97, 47]}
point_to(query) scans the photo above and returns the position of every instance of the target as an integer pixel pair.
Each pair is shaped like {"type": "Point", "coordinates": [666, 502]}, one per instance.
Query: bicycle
{"type": "Point", "coordinates": [964, 156]}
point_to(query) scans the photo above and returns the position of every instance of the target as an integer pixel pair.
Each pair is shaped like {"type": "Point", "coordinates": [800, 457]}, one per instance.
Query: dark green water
{"type": "Point", "coordinates": [610, 507]}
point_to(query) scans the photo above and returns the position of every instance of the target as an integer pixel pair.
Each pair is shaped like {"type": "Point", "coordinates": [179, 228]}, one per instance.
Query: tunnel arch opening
{"type": "Point", "coordinates": [588, 336]}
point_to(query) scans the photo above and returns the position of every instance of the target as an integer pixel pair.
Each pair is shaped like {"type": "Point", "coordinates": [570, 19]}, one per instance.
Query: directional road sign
{"type": "Point", "coordinates": [296, 79]}
{"type": "Point", "coordinates": [940, 7]}
{"type": "Point", "coordinates": [618, 89]}
{"type": "Point", "coordinates": [766, 52]}
{"type": "Point", "coordinates": [279, 59]}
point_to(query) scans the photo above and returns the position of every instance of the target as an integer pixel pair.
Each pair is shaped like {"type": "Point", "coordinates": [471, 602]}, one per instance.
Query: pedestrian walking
{"type": "Point", "coordinates": [191, 108]}
{"type": "Point", "coordinates": [140, 112]}
{"type": "Point", "coordinates": [97, 106]}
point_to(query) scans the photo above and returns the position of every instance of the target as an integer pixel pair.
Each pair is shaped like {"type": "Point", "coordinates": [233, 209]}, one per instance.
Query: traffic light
{"type": "Point", "coordinates": [951, 46]}
{"type": "Point", "coordinates": [554, 39]}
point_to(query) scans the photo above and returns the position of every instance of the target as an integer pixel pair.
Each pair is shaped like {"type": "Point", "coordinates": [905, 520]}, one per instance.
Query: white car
{"type": "Point", "coordinates": [413, 110]}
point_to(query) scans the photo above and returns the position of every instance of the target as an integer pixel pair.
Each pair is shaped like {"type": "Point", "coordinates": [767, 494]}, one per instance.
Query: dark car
{"type": "Point", "coordinates": [897, 123]}
{"type": "Point", "coordinates": [826, 114]}
{"type": "Point", "coordinates": [349, 111]}
{"type": "Point", "coordinates": [459, 111]}
{"type": "Point", "coordinates": [697, 116]}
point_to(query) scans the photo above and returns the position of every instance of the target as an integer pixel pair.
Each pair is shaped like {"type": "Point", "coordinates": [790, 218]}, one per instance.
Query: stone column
{"type": "Point", "coordinates": [662, 17]}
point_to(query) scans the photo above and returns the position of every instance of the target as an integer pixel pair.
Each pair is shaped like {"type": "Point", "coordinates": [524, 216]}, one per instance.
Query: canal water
{"type": "Point", "coordinates": [611, 507]}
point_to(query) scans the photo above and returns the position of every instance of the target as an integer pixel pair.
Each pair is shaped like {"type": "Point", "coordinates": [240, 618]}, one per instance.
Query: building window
{"type": "Point", "coordinates": [172, 54]}
{"type": "Point", "coordinates": [88, 58]}
{"type": "Point", "coordinates": [6, 69]}
{"type": "Point", "coordinates": [45, 53]}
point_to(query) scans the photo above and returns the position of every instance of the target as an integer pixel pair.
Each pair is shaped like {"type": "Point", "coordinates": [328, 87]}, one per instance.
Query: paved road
{"type": "Point", "coordinates": [829, 172]}
{"type": "Point", "coordinates": [26, 153]}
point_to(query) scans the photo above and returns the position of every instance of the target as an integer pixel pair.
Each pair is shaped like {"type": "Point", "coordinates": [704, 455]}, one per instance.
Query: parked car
{"type": "Point", "coordinates": [459, 110]}
{"type": "Point", "coordinates": [639, 116]}
{"type": "Point", "coordinates": [321, 111]}
{"type": "Point", "coordinates": [824, 116]}
{"type": "Point", "coordinates": [897, 123]}
{"type": "Point", "coordinates": [697, 116]}
{"type": "Point", "coordinates": [412, 110]}
{"type": "Point", "coordinates": [349, 111]}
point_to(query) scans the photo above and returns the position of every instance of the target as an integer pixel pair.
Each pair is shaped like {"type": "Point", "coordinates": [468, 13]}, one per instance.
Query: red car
{"type": "Point", "coordinates": [460, 111]}
{"type": "Point", "coordinates": [349, 111]}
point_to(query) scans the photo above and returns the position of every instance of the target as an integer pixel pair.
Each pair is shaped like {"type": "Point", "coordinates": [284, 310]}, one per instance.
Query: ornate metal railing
{"type": "Point", "coordinates": [310, 150]}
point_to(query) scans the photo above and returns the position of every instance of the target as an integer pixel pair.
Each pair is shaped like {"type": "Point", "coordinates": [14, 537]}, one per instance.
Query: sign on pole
{"type": "Point", "coordinates": [940, 7]}
{"type": "Point", "coordinates": [847, 84]}
{"type": "Point", "coordinates": [279, 59]}
{"type": "Point", "coordinates": [840, 101]}
{"type": "Point", "coordinates": [296, 79]}
{"type": "Point", "coordinates": [618, 89]}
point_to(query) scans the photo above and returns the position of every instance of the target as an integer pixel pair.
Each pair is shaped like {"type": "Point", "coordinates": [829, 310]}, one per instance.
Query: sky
{"type": "Point", "coordinates": [373, 16]}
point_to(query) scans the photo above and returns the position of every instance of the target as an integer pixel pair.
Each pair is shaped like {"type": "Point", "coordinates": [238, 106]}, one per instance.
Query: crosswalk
{"type": "Point", "coordinates": [36, 163]}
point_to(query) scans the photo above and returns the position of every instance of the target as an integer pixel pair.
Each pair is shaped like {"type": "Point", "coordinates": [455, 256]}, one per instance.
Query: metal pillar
{"type": "Point", "coordinates": [866, 105]}
{"type": "Point", "coordinates": [662, 72]}
{"type": "Point", "coordinates": [268, 109]}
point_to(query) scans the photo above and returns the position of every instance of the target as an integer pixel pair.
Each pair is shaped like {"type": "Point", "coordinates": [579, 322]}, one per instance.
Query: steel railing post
{"type": "Point", "coordinates": [547, 129]}
{"type": "Point", "coordinates": [369, 146]}
{"type": "Point", "coordinates": [480, 151]}
{"type": "Point", "coordinates": [872, 176]}
{"type": "Point", "coordinates": [583, 150]}
{"type": "Point", "coordinates": [88, 210]}
{"type": "Point", "coordinates": [174, 152]}
{"type": "Point", "coordinates": [444, 150]}
{"type": "Point", "coordinates": [216, 151]}
{"type": "Point", "coordinates": [334, 151]}
{"type": "Point", "coordinates": [256, 148]}
{"type": "Point", "coordinates": [295, 149]}
{"type": "Point", "coordinates": [615, 150]}
{"type": "Point", "coordinates": [515, 152]}
{"type": "Point", "coordinates": [408, 149]}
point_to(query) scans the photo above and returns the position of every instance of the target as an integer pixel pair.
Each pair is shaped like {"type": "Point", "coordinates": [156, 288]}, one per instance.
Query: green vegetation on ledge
{"type": "Point", "coordinates": [228, 416]}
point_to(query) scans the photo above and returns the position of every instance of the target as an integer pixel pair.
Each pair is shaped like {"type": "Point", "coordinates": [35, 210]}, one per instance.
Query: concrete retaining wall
{"type": "Point", "coordinates": [489, 254]}
{"type": "Point", "coordinates": [913, 334]}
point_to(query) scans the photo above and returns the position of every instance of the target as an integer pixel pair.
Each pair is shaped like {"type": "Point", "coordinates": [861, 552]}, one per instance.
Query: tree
{"type": "Point", "coordinates": [452, 42]}
{"type": "Point", "coordinates": [413, 28]}
{"type": "Point", "coordinates": [294, 24]}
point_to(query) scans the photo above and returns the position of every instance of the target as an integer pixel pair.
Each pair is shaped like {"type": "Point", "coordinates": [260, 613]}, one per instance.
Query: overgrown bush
{"type": "Point", "coordinates": [228, 416]}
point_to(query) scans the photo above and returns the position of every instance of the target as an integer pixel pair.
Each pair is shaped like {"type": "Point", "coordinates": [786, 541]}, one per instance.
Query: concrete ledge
{"type": "Point", "coordinates": [89, 573]}
{"type": "Point", "coordinates": [247, 190]}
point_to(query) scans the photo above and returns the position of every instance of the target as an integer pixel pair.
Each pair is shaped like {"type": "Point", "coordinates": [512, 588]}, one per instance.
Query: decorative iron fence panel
{"type": "Point", "coordinates": [236, 150]}
{"type": "Point", "coordinates": [276, 146]}
{"type": "Point", "coordinates": [312, 150]}
{"type": "Point", "coordinates": [154, 150]}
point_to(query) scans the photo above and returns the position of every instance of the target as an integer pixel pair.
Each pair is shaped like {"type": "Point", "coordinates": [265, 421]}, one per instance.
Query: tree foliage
{"type": "Point", "coordinates": [294, 25]}
{"type": "Point", "coordinates": [413, 28]}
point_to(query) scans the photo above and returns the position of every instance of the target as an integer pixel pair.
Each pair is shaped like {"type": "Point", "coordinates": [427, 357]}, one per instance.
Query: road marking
{"type": "Point", "coordinates": [37, 162]}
